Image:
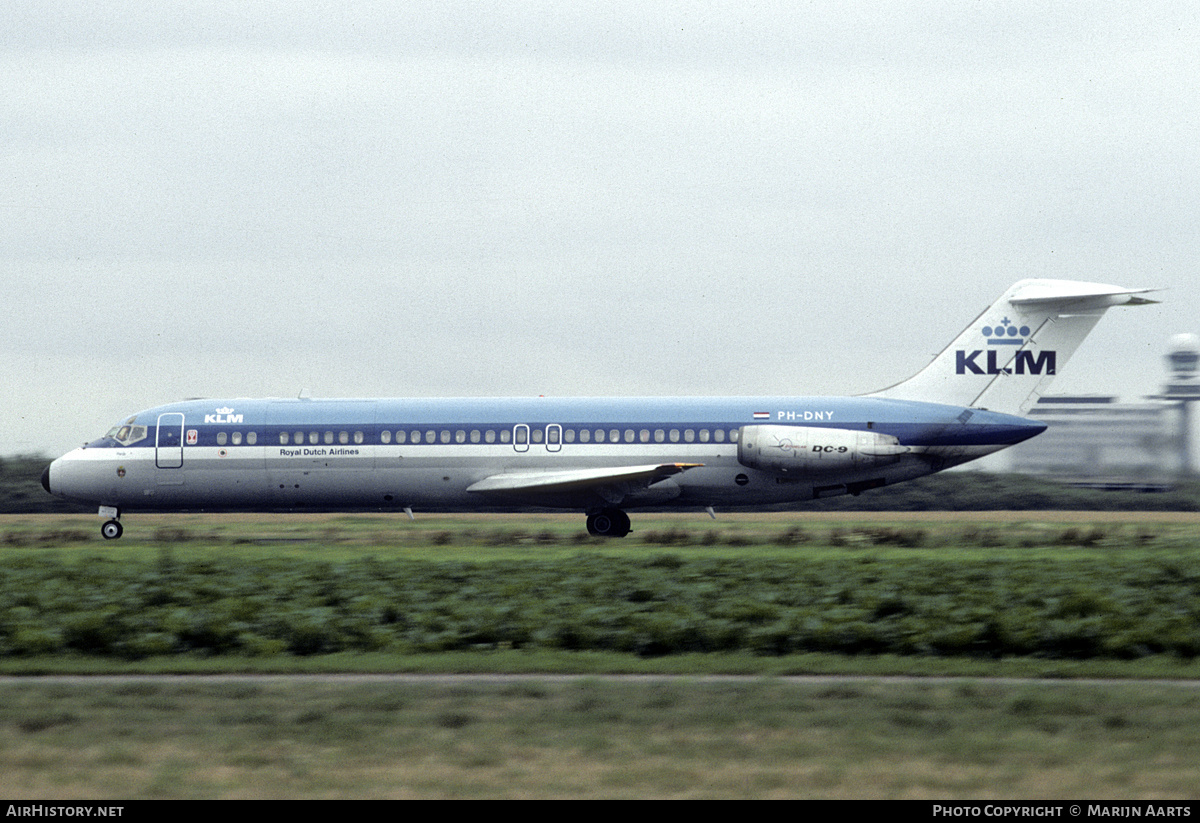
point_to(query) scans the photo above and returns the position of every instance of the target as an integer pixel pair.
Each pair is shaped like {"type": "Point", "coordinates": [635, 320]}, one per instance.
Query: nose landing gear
{"type": "Point", "coordinates": [608, 523]}
{"type": "Point", "coordinates": [112, 528]}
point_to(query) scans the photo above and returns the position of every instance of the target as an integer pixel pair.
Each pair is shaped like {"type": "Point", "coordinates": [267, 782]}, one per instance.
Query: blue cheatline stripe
{"type": "Point", "coordinates": [268, 436]}
{"type": "Point", "coordinates": [929, 434]}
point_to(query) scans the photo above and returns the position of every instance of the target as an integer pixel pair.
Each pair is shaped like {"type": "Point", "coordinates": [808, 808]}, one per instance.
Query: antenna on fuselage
{"type": "Point", "coordinates": [305, 394]}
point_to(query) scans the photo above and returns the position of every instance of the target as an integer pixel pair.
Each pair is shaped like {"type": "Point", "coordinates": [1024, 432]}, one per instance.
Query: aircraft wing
{"type": "Point", "coordinates": [607, 483]}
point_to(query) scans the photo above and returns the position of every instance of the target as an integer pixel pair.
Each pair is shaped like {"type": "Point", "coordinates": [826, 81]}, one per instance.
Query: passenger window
{"type": "Point", "coordinates": [689, 436]}
{"type": "Point", "coordinates": [343, 437]}
{"type": "Point", "coordinates": [644, 435]}
{"type": "Point", "coordinates": [358, 437]}
{"type": "Point", "coordinates": [430, 436]}
{"type": "Point", "coordinates": [328, 437]}
{"type": "Point", "coordinates": [401, 437]}
{"type": "Point", "coordinates": [733, 435]}
{"type": "Point", "coordinates": [313, 438]}
{"type": "Point", "coordinates": [552, 435]}
{"type": "Point", "coordinates": [505, 436]}
{"type": "Point", "coordinates": [460, 436]}
{"type": "Point", "coordinates": [522, 435]}
{"type": "Point", "coordinates": [237, 438]}
{"type": "Point", "coordinates": [252, 438]}
{"type": "Point", "coordinates": [385, 437]}
{"type": "Point", "coordinates": [299, 438]}
{"type": "Point", "coordinates": [704, 435]}
{"type": "Point", "coordinates": [283, 438]}
{"type": "Point", "coordinates": [537, 435]}
{"type": "Point", "coordinates": [719, 435]}
{"type": "Point", "coordinates": [674, 435]}
{"type": "Point", "coordinates": [614, 436]}
{"type": "Point", "coordinates": [490, 437]}
{"type": "Point", "coordinates": [569, 434]}
{"type": "Point", "coordinates": [445, 437]}
{"type": "Point", "coordinates": [659, 435]}
{"type": "Point", "coordinates": [584, 435]}
{"type": "Point", "coordinates": [475, 435]}
{"type": "Point", "coordinates": [222, 438]}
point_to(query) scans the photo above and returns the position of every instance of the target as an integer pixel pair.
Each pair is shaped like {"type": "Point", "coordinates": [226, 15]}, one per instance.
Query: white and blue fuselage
{"type": "Point", "coordinates": [434, 454]}
{"type": "Point", "coordinates": [596, 455]}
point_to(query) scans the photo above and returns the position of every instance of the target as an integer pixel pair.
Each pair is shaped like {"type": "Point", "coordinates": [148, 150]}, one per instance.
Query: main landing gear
{"type": "Point", "coordinates": [608, 523]}
{"type": "Point", "coordinates": [112, 528]}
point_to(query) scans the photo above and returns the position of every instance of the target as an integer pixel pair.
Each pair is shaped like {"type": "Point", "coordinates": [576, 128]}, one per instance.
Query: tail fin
{"type": "Point", "coordinates": [1005, 360]}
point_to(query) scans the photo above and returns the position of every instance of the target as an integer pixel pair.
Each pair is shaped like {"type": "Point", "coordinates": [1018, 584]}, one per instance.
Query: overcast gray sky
{"type": "Point", "coordinates": [615, 198]}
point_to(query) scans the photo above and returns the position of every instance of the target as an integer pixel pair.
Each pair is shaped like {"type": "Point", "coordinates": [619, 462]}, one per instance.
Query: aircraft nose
{"type": "Point", "coordinates": [46, 479]}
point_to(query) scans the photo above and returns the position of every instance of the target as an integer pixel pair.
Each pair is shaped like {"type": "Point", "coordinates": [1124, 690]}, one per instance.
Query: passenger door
{"type": "Point", "coordinates": [168, 444]}
{"type": "Point", "coordinates": [554, 436]}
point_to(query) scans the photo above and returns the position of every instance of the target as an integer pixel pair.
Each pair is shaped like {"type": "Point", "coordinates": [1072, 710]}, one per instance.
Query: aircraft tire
{"type": "Point", "coordinates": [608, 523]}
{"type": "Point", "coordinates": [112, 529]}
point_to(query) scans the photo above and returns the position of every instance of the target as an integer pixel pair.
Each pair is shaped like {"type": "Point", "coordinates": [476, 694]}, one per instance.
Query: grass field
{"type": "Point", "coordinates": [516, 535]}
{"type": "Point", "coordinates": [598, 739]}
{"type": "Point", "coordinates": [1044, 593]}
{"type": "Point", "coordinates": [1101, 596]}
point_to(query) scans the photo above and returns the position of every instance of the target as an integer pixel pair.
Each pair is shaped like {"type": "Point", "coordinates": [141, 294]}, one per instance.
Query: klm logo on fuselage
{"type": "Point", "coordinates": [225, 415]}
{"type": "Point", "coordinates": [999, 336]}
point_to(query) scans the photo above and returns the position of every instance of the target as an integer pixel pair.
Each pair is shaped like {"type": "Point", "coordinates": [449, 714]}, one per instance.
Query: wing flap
{"type": "Point", "coordinates": [574, 480]}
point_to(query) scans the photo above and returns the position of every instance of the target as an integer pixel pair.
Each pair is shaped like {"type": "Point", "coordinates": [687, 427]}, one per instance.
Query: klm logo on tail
{"type": "Point", "coordinates": [1026, 363]}
{"type": "Point", "coordinates": [1005, 334]}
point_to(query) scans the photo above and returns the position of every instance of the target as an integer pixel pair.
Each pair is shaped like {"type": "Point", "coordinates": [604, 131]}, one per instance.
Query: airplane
{"type": "Point", "coordinates": [595, 455]}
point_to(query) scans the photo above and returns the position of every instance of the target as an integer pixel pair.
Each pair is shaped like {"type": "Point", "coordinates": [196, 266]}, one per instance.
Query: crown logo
{"type": "Point", "coordinates": [225, 410]}
{"type": "Point", "coordinates": [1005, 334]}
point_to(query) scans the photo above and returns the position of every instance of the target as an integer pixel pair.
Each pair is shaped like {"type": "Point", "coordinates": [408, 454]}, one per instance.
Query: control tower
{"type": "Point", "coordinates": [1183, 389]}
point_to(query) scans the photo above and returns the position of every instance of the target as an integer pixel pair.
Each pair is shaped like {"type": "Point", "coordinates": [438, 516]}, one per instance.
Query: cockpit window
{"type": "Point", "coordinates": [126, 434]}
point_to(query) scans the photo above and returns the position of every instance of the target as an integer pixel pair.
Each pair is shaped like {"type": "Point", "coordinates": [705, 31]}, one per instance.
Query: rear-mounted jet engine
{"type": "Point", "coordinates": [814, 450]}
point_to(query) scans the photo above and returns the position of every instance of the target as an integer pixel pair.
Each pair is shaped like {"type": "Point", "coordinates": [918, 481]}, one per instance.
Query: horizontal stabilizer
{"type": "Point", "coordinates": [1078, 296]}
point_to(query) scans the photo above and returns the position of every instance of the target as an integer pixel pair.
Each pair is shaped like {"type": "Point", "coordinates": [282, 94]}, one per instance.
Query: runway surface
{"type": "Point", "coordinates": [504, 679]}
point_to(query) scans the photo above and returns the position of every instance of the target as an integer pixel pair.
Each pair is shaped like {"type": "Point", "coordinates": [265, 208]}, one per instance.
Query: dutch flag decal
{"type": "Point", "coordinates": [762, 415]}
